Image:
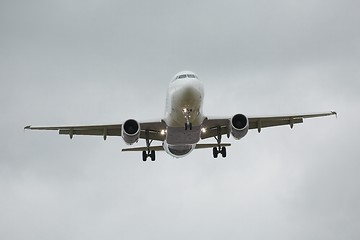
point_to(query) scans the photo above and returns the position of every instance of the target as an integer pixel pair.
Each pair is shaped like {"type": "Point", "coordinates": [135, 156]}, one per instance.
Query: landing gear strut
{"type": "Point", "coordinates": [148, 153]}
{"type": "Point", "coordinates": [219, 149]}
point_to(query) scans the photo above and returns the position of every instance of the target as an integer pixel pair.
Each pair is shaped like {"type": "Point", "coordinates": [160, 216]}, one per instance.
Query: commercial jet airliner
{"type": "Point", "coordinates": [184, 123]}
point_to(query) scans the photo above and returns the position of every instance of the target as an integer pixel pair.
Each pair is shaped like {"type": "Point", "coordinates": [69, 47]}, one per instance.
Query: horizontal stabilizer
{"type": "Point", "coordinates": [211, 145]}
{"type": "Point", "coordinates": [140, 149]}
{"type": "Point", "coordinates": [160, 148]}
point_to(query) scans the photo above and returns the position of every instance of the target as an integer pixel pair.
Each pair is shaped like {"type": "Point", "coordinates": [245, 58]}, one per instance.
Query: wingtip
{"type": "Point", "coordinates": [334, 113]}
{"type": "Point", "coordinates": [27, 127]}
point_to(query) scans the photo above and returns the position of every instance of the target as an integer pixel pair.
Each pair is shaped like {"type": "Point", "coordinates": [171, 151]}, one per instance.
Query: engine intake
{"type": "Point", "coordinates": [130, 131]}
{"type": "Point", "coordinates": [239, 126]}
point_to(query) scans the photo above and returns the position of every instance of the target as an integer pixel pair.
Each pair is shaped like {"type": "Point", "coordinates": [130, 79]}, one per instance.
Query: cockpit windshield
{"type": "Point", "coordinates": [182, 76]}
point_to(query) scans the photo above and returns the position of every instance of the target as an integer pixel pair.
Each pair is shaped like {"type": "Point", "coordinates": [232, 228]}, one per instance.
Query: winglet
{"type": "Point", "coordinates": [334, 113]}
{"type": "Point", "coordinates": [27, 127]}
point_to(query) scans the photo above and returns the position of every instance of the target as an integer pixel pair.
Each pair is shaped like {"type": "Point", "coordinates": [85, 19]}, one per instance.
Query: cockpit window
{"type": "Point", "coordinates": [182, 76]}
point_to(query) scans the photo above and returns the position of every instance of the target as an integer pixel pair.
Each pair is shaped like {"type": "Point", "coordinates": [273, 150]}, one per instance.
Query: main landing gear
{"type": "Point", "coordinates": [148, 153]}
{"type": "Point", "coordinates": [219, 149]}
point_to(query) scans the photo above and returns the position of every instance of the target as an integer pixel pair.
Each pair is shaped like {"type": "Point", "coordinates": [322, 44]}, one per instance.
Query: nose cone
{"type": "Point", "coordinates": [189, 92]}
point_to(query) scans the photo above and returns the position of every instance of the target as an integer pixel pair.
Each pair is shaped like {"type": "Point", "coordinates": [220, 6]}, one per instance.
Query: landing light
{"type": "Point", "coordinates": [162, 132]}
{"type": "Point", "coordinates": [203, 130]}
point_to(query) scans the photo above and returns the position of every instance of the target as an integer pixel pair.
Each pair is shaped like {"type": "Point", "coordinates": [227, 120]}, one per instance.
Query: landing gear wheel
{"type": "Point", "coordinates": [215, 152]}
{"type": "Point", "coordinates": [144, 155]}
{"type": "Point", "coordinates": [152, 155]}
{"type": "Point", "coordinates": [223, 152]}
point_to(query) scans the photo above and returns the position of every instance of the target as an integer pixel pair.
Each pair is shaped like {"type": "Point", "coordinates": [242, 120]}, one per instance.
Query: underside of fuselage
{"type": "Point", "coordinates": [183, 115]}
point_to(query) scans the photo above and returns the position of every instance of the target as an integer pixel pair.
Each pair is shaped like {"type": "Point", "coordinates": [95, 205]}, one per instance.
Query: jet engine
{"type": "Point", "coordinates": [130, 131]}
{"type": "Point", "coordinates": [239, 126]}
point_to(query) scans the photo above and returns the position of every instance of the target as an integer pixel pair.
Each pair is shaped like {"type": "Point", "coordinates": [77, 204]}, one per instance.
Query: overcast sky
{"type": "Point", "coordinates": [99, 62]}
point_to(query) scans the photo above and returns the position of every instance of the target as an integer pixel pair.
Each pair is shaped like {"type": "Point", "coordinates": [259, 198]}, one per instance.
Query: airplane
{"type": "Point", "coordinates": [184, 124]}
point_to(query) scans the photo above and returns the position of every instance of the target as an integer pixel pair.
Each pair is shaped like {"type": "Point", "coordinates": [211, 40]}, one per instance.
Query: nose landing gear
{"type": "Point", "coordinates": [188, 125]}
{"type": "Point", "coordinates": [187, 112]}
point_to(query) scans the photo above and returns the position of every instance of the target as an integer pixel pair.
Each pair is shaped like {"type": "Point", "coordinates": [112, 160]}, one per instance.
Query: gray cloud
{"type": "Point", "coordinates": [75, 62]}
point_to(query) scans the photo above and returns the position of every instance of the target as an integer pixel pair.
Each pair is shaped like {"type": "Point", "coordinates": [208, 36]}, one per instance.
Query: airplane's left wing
{"type": "Point", "coordinates": [152, 129]}
{"type": "Point", "coordinates": [272, 121]}
{"type": "Point", "coordinates": [214, 127]}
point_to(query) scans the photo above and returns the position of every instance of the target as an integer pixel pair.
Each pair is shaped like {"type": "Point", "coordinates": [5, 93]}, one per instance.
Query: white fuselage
{"type": "Point", "coordinates": [183, 114]}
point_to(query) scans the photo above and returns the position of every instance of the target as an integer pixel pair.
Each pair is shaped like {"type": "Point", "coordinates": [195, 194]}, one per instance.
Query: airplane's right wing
{"type": "Point", "coordinates": [153, 129]}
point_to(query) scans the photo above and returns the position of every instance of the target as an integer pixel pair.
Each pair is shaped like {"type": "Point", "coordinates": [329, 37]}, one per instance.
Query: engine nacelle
{"type": "Point", "coordinates": [130, 131]}
{"type": "Point", "coordinates": [239, 126]}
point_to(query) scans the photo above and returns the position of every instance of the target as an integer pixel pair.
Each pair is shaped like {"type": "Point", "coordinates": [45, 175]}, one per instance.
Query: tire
{"type": "Point", "coordinates": [152, 155]}
{"type": "Point", "coordinates": [144, 155]}
{"type": "Point", "coordinates": [215, 152]}
{"type": "Point", "coordinates": [223, 152]}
